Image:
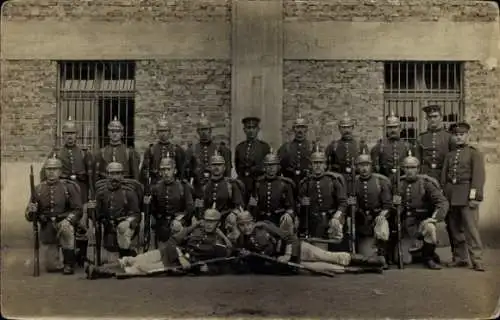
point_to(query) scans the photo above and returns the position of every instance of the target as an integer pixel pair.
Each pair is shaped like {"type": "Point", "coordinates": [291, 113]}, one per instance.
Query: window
{"type": "Point", "coordinates": [409, 86]}
{"type": "Point", "coordinates": [93, 93]}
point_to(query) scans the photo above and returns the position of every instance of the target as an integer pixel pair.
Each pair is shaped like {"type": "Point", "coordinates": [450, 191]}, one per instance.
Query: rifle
{"type": "Point", "coordinates": [147, 215]}
{"type": "Point", "coordinates": [352, 213]}
{"type": "Point", "coordinates": [398, 219]}
{"type": "Point", "coordinates": [291, 264]}
{"type": "Point", "coordinates": [167, 270]}
{"type": "Point", "coordinates": [36, 260]}
{"type": "Point", "coordinates": [97, 224]}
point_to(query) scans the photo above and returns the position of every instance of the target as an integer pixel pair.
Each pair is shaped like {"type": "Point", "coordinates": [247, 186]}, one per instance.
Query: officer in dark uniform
{"type": "Point", "coordinates": [424, 204]}
{"type": "Point", "coordinates": [198, 156]}
{"type": "Point", "coordinates": [295, 156]}
{"type": "Point", "coordinates": [324, 195]}
{"type": "Point", "coordinates": [463, 179]}
{"type": "Point", "coordinates": [77, 166]}
{"type": "Point", "coordinates": [373, 200]}
{"type": "Point", "coordinates": [249, 155]}
{"type": "Point", "coordinates": [117, 151]}
{"type": "Point", "coordinates": [222, 193]}
{"type": "Point", "coordinates": [58, 208]}
{"type": "Point", "coordinates": [274, 199]}
{"type": "Point", "coordinates": [171, 202]}
{"type": "Point", "coordinates": [389, 152]}
{"type": "Point", "coordinates": [156, 152]}
{"type": "Point", "coordinates": [118, 210]}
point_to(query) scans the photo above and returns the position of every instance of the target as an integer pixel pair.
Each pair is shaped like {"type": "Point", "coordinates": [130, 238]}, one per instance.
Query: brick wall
{"type": "Point", "coordinates": [28, 91]}
{"type": "Point", "coordinates": [389, 10]}
{"type": "Point", "coordinates": [120, 10]}
{"type": "Point", "coordinates": [324, 90]}
{"type": "Point", "coordinates": [183, 89]}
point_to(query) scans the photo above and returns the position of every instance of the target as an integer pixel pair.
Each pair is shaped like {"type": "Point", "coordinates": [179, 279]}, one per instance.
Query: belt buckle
{"type": "Point", "coordinates": [454, 181]}
{"type": "Point", "coordinates": [72, 177]}
{"type": "Point", "coordinates": [433, 166]}
{"type": "Point", "coordinates": [297, 172]}
{"type": "Point", "coordinates": [348, 170]}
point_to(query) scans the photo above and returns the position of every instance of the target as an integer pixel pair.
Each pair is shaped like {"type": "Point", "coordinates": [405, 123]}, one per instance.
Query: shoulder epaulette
{"type": "Point", "coordinates": [381, 177]}
{"type": "Point", "coordinates": [288, 180]}
{"type": "Point", "coordinates": [339, 177]}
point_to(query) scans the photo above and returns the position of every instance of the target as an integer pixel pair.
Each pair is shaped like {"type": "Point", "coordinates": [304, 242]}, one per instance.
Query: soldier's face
{"type": "Point", "coordinates": [69, 138]}
{"type": "Point", "coordinates": [115, 176]}
{"type": "Point", "coordinates": [246, 227]}
{"type": "Point", "coordinates": [164, 135]}
{"type": "Point", "coordinates": [210, 225]}
{"type": "Point", "coordinates": [168, 173]}
{"type": "Point", "coordinates": [205, 134]}
{"type": "Point", "coordinates": [461, 138]}
{"type": "Point", "coordinates": [346, 130]}
{"type": "Point", "coordinates": [115, 135]}
{"type": "Point", "coordinates": [300, 132]}
{"type": "Point", "coordinates": [411, 172]}
{"type": "Point", "coordinates": [318, 167]}
{"type": "Point", "coordinates": [52, 173]}
{"type": "Point", "coordinates": [271, 170]}
{"type": "Point", "coordinates": [434, 120]}
{"type": "Point", "coordinates": [251, 130]}
{"type": "Point", "coordinates": [217, 170]}
{"type": "Point", "coordinates": [365, 169]}
{"type": "Point", "coordinates": [392, 131]}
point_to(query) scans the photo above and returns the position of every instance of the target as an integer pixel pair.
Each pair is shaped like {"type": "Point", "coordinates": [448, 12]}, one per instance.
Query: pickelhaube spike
{"type": "Point", "coordinates": [392, 120]}
{"type": "Point", "coordinates": [114, 166]}
{"type": "Point", "coordinates": [364, 157]}
{"type": "Point", "coordinates": [346, 121]}
{"type": "Point", "coordinates": [115, 124]}
{"type": "Point", "coordinates": [163, 123]}
{"type": "Point", "coordinates": [411, 161]}
{"type": "Point", "coordinates": [212, 214]}
{"type": "Point", "coordinates": [53, 162]}
{"type": "Point", "coordinates": [69, 126]}
{"type": "Point", "coordinates": [300, 121]}
{"type": "Point", "coordinates": [204, 123]}
{"type": "Point", "coordinates": [271, 157]}
{"type": "Point", "coordinates": [167, 162]}
{"type": "Point", "coordinates": [217, 158]}
{"type": "Point", "coordinates": [318, 155]}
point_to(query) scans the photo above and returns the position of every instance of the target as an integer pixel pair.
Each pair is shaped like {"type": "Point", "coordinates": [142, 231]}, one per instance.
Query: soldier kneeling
{"type": "Point", "coordinates": [265, 238]}
{"type": "Point", "coordinates": [201, 241]}
{"type": "Point", "coordinates": [58, 208]}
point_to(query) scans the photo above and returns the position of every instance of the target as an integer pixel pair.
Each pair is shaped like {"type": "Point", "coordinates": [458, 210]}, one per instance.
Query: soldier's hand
{"type": "Point", "coordinates": [284, 259]}
{"type": "Point", "coordinates": [33, 207]}
{"type": "Point", "coordinates": [147, 199]}
{"type": "Point", "coordinates": [92, 204]}
{"type": "Point", "coordinates": [252, 202]}
{"type": "Point", "coordinates": [474, 204]}
{"type": "Point", "coordinates": [306, 201]}
{"type": "Point", "coordinates": [198, 203]}
{"type": "Point", "coordinates": [396, 200]}
{"type": "Point", "coordinates": [351, 201]}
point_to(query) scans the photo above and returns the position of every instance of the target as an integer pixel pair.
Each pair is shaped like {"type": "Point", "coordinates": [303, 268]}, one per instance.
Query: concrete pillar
{"type": "Point", "coordinates": [257, 70]}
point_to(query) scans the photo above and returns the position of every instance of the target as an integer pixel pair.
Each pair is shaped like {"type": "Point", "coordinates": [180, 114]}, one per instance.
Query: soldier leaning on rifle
{"type": "Point", "coordinates": [172, 204]}
{"type": "Point", "coordinates": [198, 157]}
{"type": "Point", "coordinates": [117, 151]}
{"type": "Point", "coordinates": [423, 206]}
{"type": "Point", "coordinates": [267, 239]}
{"type": "Point", "coordinates": [156, 152]}
{"type": "Point", "coordinates": [463, 178]}
{"type": "Point", "coordinates": [373, 201]}
{"type": "Point", "coordinates": [117, 208]}
{"type": "Point", "coordinates": [249, 156]}
{"type": "Point", "coordinates": [77, 165]}
{"type": "Point", "coordinates": [295, 156]}
{"type": "Point", "coordinates": [199, 242]}
{"type": "Point", "coordinates": [325, 196]}
{"type": "Point", "coordinates": [222, 193]}
{"type": "Point", "coordinates": [274, 199]}
{"type": "Point", "coordinates": [58, 208]}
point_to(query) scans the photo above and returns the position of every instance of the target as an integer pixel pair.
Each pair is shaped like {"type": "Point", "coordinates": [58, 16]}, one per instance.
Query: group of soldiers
{"type": "Point", "coordinates": [334, 210]}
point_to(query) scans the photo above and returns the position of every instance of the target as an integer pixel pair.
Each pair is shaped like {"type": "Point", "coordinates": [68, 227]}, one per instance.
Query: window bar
{"type": "Point", "coordinates": [100, 69]}
{"type": "Point", "coordinates": [127, 100]}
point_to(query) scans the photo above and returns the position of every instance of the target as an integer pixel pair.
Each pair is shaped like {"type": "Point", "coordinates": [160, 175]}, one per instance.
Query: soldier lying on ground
{"type": "Point", "coordinates": [265, 238]}
{"type": "Point", "coordinates": [201, 241]}
{"type": "Point", "coordinates": [58, 208]}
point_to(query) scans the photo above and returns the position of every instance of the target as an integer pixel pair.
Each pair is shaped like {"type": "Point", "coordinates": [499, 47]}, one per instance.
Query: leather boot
{"type": "Point", "coordinates": [102, 272]}
{"type": "Point", "coordinates": [69, 261]}
{"type": "Point", "coordinates": [382, 252]}
{"type": "Point", "coordinates": [428, 252]}
{"type": "Point", "coordinates": [81, 255]}
{"type": "Point", "coordinates": [363, 261]}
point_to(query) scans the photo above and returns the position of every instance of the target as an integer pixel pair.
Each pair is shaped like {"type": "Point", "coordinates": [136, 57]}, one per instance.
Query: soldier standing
{"type": "Point", "coordinates": [423, 206]}
{"type": "Point", "coordinates": [58, 208]}
{"type": "Point", "coordinates": [117, 150]}
{"type": "Point", "coordinates": [172, 203]}
{"type": "Point", "coordinates": [274, 201]}
{"type": "Point", "coordinates": [156, 152]}
{"type": "Point", "coordinates": [77, 165]}
{"type": "Point", "coordinates": [249, 156]}
{"type": "Point", "coordinates": [117, 205]}
{"type": "Point", "coordinates": [324, 195]}
{"type": "Point", "coordinates": [463, 178]}
{"type": "Point", "coordinates": [198, 157]}
{"type": "Point", "coordinates": [373, 201]}
{"type": "Point", "coordinates": [295, 156]}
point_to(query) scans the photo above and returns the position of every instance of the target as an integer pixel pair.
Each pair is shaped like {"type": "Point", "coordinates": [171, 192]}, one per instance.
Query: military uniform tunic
{"type": "Point", "coordinates": [128, 157]}
{"type": "Point", "coordinates": [274, 198]}
{"type": "Point", "coordinates": [340, 154]}
{"type": "Point", "coordinates": [388, 154]}
{"type": "Point", "coordinates": [158, 151]}
{"type": "Point", "coordinates": [295, 159]}
{"type": "Point", "coordinates": [249, 162]}
{"type": "Point", "coordinates": [167, 201]}
{"type": "Point", "coordinates": [432, 148]}
{"type": "Point", "coordinates": [224, 193]}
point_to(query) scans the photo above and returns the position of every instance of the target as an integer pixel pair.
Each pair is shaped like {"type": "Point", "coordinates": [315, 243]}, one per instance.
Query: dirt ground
{"type": "Point", "coordinates": [414, 292]}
